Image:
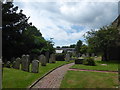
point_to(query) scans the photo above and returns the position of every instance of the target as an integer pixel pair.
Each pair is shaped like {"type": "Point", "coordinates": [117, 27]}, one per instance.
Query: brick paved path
{"type": "Point", "coordinates": [53, 80]}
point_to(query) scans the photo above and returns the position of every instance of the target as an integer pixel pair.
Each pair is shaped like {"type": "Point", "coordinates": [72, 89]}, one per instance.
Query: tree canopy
{"type": "Point", "coordinates": [20, 37]}
{"type": "Point", "coordinates": [103, 40]}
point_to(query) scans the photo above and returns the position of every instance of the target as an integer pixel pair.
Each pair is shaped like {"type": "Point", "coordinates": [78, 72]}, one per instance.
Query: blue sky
{"type": "Point", "coordinates": [67, 22]}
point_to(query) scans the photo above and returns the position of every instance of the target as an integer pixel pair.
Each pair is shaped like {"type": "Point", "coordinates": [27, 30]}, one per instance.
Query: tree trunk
{"type": "Point", "coordinates": [104, 57]}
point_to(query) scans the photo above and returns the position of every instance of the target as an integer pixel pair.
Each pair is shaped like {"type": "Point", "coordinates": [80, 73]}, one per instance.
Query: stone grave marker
{"type": "Point", "coordinates": [25, 63]}
{"type": "Point", "coordinates": [93, 55]}
{"type": "Point", "coordinates": [67, 57]}
{"type": "Point", "coordinates": [43, 60]}
{"type": "Point", "coordinates": [17, 63]}
{"type": "Point", "coordinates": [83, 55]}
{"type": "Point", "coordinates": [35, 66]}
{"type": "Point", "coordinates": [8, 64]}
{"type": "Point", "coordinates": [52, 58]}
{"type": "Point", "coordinates": [87, 54]}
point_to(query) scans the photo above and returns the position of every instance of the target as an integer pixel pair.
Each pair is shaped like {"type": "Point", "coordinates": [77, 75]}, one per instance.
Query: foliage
{"type": "Point", "coordinates": [84, 48]}
{"type": "Point", "coordinates": [78, 46]}
{"type": "Point", "coordinates": [89, 61]}
{"type": "Point", "coordinates": [102, 40]}
{"type": "Point", "coordinates": [20, 37]}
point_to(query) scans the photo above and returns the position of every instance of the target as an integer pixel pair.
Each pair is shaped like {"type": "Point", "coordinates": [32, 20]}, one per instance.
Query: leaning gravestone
{"type": "Point", "coordinates": [52, 58]}
{"type": "Point", "coordinates": [67, 57]}
{"type": "Point", "coordinates": [0, 74]}
{"type": "Point", "coordinates": [25, 63]}
{"type": "Point", "coordinates": [43, 60]}
{"type": "Point", "coordinates": [35, 66]}
{"type": "Point", "coordinates": [8, 64]}
{"type": "Point", "coordinates": [87, 54]}
{"type": "Point", "coordinates": [93, 55]}
{"type": "Point", "coordinates": [17, 63]}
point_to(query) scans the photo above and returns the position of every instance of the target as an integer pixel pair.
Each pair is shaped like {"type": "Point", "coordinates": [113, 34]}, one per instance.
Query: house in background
{"type": "Point", "coordinates": [65, 50]}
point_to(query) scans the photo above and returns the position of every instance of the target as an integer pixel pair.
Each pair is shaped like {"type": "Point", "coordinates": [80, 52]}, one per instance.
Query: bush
{"type": "Point", "coordinates": [89, 61]}
{"type": "Point", "coordinates": [60, 57]}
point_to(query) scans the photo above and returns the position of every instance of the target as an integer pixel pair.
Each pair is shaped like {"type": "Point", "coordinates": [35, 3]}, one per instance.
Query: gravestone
{"type": "Point", "coordinates": [83, 55]}
{"type": "Point", "coordinates": [0, 74]}
{"type": "Point", "coordinates": [47, 56]}
{"type": "Point", "coordinates": [93, 55]}
{"type": "Point", "coordinates": [28, 57]}
{"type": "Point", "coordinates": [17, 63]}
{"type": "Point", "coordinates": [8, 64]}
{"type": "Point", "coordinates": [52, 58]}
{"type": "Point", "coordinates": [67, 57]}
{"type": "Point", "coordinates": [43, 60]}
{"type": "Point", "coordinates": [25, 63]}
{"type": "Point", "coordinates": [35, 66]}
{"type": "Point", "coordinates": [87, 54]}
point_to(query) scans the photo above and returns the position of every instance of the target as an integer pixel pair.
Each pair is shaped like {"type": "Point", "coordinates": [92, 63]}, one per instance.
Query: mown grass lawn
{"type": "Point", "coordinates": [111, 66]}
{"type": "Point", "coordinates": [13, 78]}
{"type": "Point", "coordinates": [84, 79]}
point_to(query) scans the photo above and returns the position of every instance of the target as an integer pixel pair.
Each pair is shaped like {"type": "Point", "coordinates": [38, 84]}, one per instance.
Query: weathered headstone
{"type": "Point", "coordinates": [67, 57]}
{"type": "Point", "coordinates": [17, 63]}
{"type": "Point", "coordinates": [35, 66]}
{"type": "Point", "coordinates": [43, 60]}
{"type": "Point", "coordinates": [8, 64]}
{"type": "Point", "coordinates": [0, 74]}
{"type": "Point", "coordinates": [47, 56]}
{"type": "Point", "coordinates": [87, 54]}
{"type": "Point", "coordinates": [83, 55]}
{"type": "Point", "coordinates": [25, 63]}
{"type": "Point", "coordinates": [52, 58]}
{"type": "Point", "coordinates": [93, 55]}
{"type": "Point", "coordinates": [79, 54]}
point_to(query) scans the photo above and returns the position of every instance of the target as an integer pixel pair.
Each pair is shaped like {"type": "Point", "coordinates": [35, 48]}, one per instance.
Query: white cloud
{"type": "Point", "coordinates": [55, 19]}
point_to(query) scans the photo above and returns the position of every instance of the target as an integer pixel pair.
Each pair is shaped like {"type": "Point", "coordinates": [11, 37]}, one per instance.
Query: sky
{"type": "Point", "coordinates": [67, 22]}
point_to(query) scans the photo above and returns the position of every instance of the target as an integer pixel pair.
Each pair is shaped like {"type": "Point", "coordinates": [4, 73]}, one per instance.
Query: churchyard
{"type": "Point", "coordinates": [22, 73]}
{"type": "Point", "coordinates": [30, 59]}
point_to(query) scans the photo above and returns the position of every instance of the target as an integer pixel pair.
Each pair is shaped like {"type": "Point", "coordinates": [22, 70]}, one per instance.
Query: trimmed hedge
{"type": "Point", "coordinates": [89, 61]}
{"type": "Point", "coordinates": [60, 57]}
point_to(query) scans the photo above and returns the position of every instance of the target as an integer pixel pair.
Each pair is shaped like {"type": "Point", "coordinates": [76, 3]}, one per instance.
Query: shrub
{"type": "Point", "coordinates": [89, 61]}
{"type": "Point", "coordinates": [60, 57]}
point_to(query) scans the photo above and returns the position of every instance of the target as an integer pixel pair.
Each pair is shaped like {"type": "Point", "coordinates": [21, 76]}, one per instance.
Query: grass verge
{"type": "Point", "coordinates": [82, 79]}
{"type": "Point", "coordinates": [13, 78]}
{"type": "Point", "coordinates": [111, 66]}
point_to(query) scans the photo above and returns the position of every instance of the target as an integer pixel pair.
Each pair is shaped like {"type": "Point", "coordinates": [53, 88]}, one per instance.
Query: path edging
{"type": "Point", "coordinates": [30, 87]}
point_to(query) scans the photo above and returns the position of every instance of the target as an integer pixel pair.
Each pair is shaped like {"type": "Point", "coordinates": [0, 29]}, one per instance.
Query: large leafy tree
{"type": "Point", "coordinates": [103, 40]}
{"type": "Point", "coordinates": [78, 46]}
{"type": "Point", "coordinates": [20, 37]}
{"type": "Point", "coordinates": [13, 23]}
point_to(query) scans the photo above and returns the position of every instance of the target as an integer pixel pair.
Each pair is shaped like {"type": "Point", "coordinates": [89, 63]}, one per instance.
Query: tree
{"type": "Point", "coordinates": [102, 40]}
{"type": "Point", "coordinates": [20, 37]}
{"type": "Point", "coordinates": [72, 46]}
{"type": "Point", "coordinates": [13, 24]}
{"type": "Point", "coordinates": [84, 49]}
{"type": "Point", "coordinates": [78, 46]}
